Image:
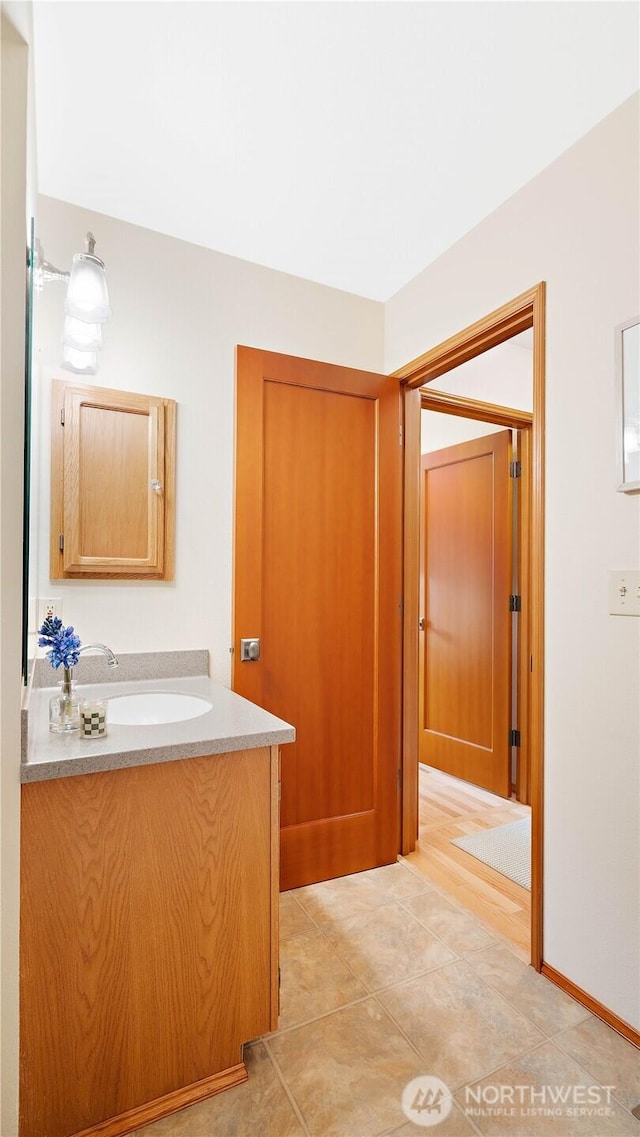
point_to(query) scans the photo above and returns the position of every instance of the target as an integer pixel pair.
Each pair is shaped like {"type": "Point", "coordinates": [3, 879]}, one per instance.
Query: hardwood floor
{"type": "Point", "coordinates": [450, 808]}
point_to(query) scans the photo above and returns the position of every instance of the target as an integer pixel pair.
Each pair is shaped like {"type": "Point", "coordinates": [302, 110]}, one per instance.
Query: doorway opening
{"type": "Point", "coordinates": [474, 837]}
{"type": "Point", "coordinates": [521, 315]}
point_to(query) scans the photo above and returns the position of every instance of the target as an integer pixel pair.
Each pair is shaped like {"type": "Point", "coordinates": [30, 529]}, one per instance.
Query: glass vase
{"type": "Point", "coordinates": [64, 708]}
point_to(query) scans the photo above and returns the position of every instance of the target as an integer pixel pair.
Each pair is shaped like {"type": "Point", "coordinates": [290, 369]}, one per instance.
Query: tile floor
{"type": "Point", "coordinates": [384, 979]}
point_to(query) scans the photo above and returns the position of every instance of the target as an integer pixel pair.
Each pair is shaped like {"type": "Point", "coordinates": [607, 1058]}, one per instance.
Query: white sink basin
{"type": "Point", "coordinates": [151, 708]}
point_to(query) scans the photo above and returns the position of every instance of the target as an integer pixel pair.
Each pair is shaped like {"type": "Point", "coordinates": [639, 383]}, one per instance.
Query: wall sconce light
{"type": "Point", "coordinates": [86, 306]}
{"type": "Point", "coordinates": [81, 335]}
{"type": "Point", "coordinates": [82, 362]}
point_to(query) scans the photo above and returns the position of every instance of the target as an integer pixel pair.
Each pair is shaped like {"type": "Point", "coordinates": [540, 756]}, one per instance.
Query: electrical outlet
{"type": "Point", "coordinates": [49, 606]}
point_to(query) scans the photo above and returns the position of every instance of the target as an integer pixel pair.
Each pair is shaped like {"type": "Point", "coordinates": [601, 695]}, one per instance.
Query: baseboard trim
{"type": "Point", "coordinates": [168, 1104]}
{"type": "Point", "coordinates": [624, 1028]}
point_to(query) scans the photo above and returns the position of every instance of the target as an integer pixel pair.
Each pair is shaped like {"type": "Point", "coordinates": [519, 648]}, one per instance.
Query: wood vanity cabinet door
{"type": "Point", "coordinates": [149, 938]}
{"type": "Point", "coordinates": [112, 484]}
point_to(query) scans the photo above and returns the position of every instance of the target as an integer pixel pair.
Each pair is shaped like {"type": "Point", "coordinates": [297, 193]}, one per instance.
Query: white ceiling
{"type": "Point", "coordinates": [349, 142]}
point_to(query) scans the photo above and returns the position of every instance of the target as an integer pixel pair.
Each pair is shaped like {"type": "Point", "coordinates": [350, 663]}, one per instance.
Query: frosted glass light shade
{"type": "Point", "coordinates": [87, 294]}
{"type": "Point", "coordinates": [81, 335]}
{"type": "Point", "coordinates": [80, 362]}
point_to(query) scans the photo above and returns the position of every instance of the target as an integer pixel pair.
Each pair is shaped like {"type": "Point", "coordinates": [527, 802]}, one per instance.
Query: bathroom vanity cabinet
{"type": "Point", "coordinates": [149, 933]}
{"type": "Point", "coordinates": [112, 484]}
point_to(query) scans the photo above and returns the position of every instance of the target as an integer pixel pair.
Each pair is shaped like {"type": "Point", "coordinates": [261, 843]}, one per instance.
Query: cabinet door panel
{"type": "Point", "coordinates": [113, 470]}
{"type": "Point", "coordinates": [112, 461]}
{"type": "Point", "coordinates": [149, 952]}
{"type": "Point", "coordinates": [113, 453]}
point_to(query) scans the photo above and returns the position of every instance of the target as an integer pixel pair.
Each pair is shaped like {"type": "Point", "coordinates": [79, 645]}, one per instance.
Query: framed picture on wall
{"type": "Point", "coordinates": [628, 404]}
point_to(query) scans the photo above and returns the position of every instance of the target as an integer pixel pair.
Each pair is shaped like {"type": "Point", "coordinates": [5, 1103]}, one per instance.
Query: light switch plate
{"type": "Point", "coordinates": [624, 593]}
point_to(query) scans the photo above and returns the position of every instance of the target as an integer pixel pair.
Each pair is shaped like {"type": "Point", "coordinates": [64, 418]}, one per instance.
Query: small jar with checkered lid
{"type": "Point", "coordinates": [93, 719]}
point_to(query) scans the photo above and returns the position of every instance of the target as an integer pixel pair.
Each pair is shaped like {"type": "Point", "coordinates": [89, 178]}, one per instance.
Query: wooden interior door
{"type": "Point", "coordinates": [465, 646]}
{"type": "Point", "coordinates": [318, 535]}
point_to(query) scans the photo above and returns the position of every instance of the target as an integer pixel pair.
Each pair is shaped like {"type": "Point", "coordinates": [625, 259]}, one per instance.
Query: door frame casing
{"type": "Point", "coordinates": [524, 312]}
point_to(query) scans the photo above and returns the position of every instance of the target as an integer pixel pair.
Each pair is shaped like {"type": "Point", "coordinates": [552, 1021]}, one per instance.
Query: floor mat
{"type": "Point", "coordinates": [506, 848]}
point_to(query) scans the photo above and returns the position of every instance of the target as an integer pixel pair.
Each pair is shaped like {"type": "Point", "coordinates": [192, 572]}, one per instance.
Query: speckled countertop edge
{"type": "Point", "coordinates": [232, 724]}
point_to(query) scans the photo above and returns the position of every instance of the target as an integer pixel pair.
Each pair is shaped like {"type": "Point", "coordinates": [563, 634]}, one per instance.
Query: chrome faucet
{"type": "Point", "coordinates": [102, 649]}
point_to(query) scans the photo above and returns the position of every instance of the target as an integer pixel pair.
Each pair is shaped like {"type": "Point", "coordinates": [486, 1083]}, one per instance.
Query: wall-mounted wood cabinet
{"type": "Point", "coordinates": [112, 484]}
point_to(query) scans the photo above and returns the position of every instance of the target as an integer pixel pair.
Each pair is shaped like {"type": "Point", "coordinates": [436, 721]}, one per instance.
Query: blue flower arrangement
{"type": "Point", "coordinates": [63, 643]}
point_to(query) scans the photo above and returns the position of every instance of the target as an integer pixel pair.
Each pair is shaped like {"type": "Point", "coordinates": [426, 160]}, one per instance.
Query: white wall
{"type": "Point", "coordinates": [13, 188]}
{"type": "Point", "coordinates": [575, 226]}
{"type": "Point", "coordinates": [439, 430]}
{"type": "Point", "coordinates": [178, 312]}
{"type": "Point", "coordinates": [503, 376]}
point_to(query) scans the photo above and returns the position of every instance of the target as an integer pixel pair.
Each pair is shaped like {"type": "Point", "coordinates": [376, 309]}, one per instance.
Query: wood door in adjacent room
{"type": "Point", "coordinates": [465, 645]}
{"type": "Point", "coordinates": [318, 547]}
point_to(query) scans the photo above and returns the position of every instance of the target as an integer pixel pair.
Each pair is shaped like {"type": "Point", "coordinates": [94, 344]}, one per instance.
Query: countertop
{"type": "Point", "coordinates": [233, 723]}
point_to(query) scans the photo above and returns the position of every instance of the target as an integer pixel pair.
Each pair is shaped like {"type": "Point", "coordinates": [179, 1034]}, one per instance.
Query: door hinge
{"type": "Point", "coordinates": [514, 738]}
{"type": "Point", "coordinates": [515, 469]}
{"type": "Point", "coordinates": [401, 439]}
{"type": "Point", "coordinates": [515, 603]}
{"type": "Point", "coordinates": [61, 542]}
{"type": "Point", "coordinates": [62, 417]}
